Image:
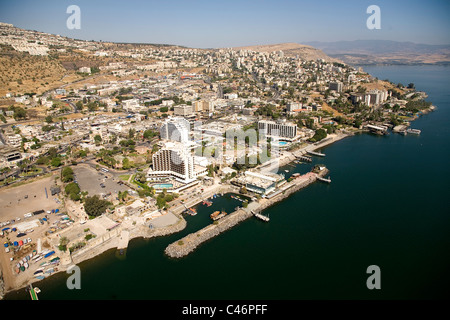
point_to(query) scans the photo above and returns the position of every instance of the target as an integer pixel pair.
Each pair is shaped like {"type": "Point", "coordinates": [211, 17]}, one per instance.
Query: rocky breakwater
{"type": "Point", "coordinates": [190, 242]}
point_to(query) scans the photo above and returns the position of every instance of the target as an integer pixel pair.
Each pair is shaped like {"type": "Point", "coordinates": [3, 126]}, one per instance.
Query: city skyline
{"type": "Point", "coordinates": [206, 24]}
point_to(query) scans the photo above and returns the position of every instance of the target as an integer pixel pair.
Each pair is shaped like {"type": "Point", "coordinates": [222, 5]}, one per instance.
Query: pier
{"type": "Point", "coordinates": [314, 153]}
{"type": "Point", "coordinates": [260, 216]}
{"type": "Point", "coordinates": [380, 130]}
{"type": "Point", "coordinates": [304, 158]}
{"type": "Point", "coordinates": [324, 179]}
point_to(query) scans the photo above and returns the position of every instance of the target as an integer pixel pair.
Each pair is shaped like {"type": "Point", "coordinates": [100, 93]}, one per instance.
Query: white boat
{"type": "Point", "coordinates": [26, 265]}
{"type": "Point", "coordinates": [414, 131]}
{"type": "Point", "coordinates": [38, 259]}
{"type": "Point", "coordinates": [34, 259]}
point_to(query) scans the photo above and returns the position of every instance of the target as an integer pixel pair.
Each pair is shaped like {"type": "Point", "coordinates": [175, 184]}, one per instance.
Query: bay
{"type": "Point", "coordinates": [387, 205]}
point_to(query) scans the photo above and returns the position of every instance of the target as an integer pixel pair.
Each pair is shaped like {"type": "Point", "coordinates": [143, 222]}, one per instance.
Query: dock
{"type": "Point", "coordinates": [324, 179]}
{"type": "Point", "coordinates": [380, 130]}
{"type": "Point", "coordinates": [305, 158]}
{"type": "Point", "coordinates": [34, 292]}
{"type": "Point", "coordinates": [260, 216]}
{"type": "Point", "coordinates": [314, 153]}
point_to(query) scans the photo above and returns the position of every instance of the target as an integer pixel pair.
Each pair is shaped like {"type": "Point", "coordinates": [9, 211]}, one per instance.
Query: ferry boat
{"type": "Point", "coordinates": [414, 131]}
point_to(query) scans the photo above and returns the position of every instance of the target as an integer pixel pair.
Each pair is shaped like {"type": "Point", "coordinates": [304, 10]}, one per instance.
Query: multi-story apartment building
{"type": "Point", "coordinates": [279, 129]}
{"type": "Point", "coordinates": [183, 110]}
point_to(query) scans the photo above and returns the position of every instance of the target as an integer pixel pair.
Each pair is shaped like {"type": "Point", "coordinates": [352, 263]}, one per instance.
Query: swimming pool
{"type": "Point", "coordinates": [282, 143]}
{"type": "Point", "coordinates": [163, 186]}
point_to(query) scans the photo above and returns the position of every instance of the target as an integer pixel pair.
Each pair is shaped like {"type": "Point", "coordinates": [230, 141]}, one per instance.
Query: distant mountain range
{"type": "Point", "coordinates": [305, 52]}
{"type": "Point", "coordinates": [366, 52]}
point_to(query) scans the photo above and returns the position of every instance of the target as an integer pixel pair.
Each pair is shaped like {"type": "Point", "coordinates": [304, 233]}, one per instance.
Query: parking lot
{"type": "Point", "coordinates": [15, 202]}
{"type": "Point", "coordinates": [91, 180]}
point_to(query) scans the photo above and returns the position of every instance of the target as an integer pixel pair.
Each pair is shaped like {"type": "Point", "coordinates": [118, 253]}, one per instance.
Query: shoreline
{"type": "Point", "coordinates": [144, 232]}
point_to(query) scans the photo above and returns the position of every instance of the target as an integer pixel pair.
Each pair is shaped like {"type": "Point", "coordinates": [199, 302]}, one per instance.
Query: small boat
{"type": "Point", "coordinates": [49, 254]}
{"type": "Point", "coordinates": [286, 171]}
{"type": "Point", "coordinates": [192, 212]}
{"type": "Point", "coordinates": [207, 203]}
{"type": "Point", "coordinates": [40, 277]}
{"type": "Point", "coordinates": [218, 214]}
{"type": "Point", "coordinates": [214, 214]}
{"type": "Point", "coordinates": [26, 265]}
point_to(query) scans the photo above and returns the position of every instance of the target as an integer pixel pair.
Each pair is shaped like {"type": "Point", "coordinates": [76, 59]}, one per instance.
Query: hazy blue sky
{"type": "Point", "coordinates": [199, 23]}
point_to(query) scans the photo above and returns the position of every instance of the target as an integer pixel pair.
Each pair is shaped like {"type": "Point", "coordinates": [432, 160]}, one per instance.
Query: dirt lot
{"type": "Point", "coordinates": [13, 205]}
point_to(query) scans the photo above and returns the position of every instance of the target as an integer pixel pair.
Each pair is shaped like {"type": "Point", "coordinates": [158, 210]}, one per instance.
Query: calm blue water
{"type": "Point", "coordinates": [387, 205]}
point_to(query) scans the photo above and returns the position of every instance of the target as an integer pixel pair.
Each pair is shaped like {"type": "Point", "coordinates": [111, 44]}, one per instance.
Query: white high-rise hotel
{"type": "Point", "coordinates": [175, 161]}
{"type": "Point", "coordinates": [175, 129]}
{"type": "Point", "coordinates": [284, 130]}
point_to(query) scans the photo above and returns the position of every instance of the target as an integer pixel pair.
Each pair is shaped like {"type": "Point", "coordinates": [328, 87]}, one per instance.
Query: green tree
{"type": "Point", "coordinates": [67, 174]}
{"type": "Point", "coordinates": [319, 135]}
{"type": "Point", "coordinates": [56, 162]}
{"type": "Point", "coordinates": [94, 206]}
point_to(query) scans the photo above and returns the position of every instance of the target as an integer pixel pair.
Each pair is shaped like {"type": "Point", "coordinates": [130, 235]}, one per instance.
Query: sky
{"type": "Point", "coordinates": [232, 23]}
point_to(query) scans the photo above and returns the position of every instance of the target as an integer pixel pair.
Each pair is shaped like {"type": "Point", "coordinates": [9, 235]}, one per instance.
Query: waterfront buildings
{"type": "Point", "coordinates": [281, 129]}
{"type": "Point", "coordinates": [175, 161]}
{"type": "Point", "coordinates": [261, 183]}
